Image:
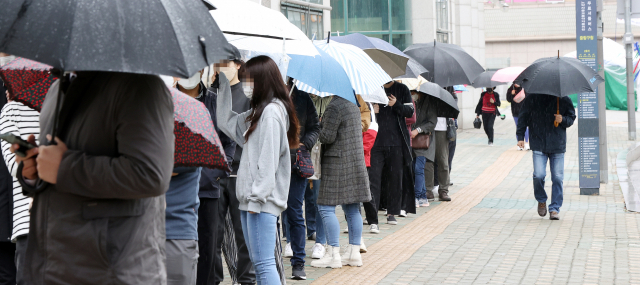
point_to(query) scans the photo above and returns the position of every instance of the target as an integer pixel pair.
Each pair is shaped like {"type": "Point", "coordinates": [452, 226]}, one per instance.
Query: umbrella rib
{"type": "Point", "coordinates": [256, 35]}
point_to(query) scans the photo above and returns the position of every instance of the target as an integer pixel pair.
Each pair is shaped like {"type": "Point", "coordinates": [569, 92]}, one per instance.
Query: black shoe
{"type": "Point", "coordinates": [298, 272]}
{"type": "Point", "coordinates": [392, 220]}
{"type": "Point", "coordinates": [312, 236]}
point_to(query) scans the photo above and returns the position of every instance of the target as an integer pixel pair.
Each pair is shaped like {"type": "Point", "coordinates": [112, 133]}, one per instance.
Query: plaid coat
{"type": "Point", "coordinates": [344, 173]}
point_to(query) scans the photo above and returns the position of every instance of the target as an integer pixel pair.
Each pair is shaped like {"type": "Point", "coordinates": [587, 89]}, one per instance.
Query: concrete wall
{"type": "Point", "coordinates": [523, 53]}
{"type": "Point", "coordinates": [423, 21]}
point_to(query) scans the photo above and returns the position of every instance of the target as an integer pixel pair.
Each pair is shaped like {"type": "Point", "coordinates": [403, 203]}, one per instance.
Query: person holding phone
{"type": "Point", "coordinates": [488, 108]}
{"type": "Point", "coordinates": [266, 133]}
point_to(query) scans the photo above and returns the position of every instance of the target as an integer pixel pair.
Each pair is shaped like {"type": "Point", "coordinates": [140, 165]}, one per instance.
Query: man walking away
{"type": "Point", "coordinates": [548, 142]}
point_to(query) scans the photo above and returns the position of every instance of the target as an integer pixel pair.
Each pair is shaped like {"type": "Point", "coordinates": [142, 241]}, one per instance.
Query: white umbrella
{"type": "Point", "coordinates": [250, 26]}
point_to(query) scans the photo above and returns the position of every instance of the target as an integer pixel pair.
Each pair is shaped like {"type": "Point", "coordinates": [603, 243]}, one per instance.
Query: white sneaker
{"type": "Point", "coordinates": [352, 256]}
{"type": "Point", "coordinates": [346, 230]}
{"type": "Point", "coordinates": [288, 252]}
{"type": "Point", "coordinates": [318, 251]}
{"type": "Point", "coordinates": [363, 248]}
{"type": "Point", "coordinates": [374, 229]}
{"type": "Point", "coordinates": [417, 203]}
{"type": "Point", "coordinates": [519, 148]}
{"type": "Point", "coordinates": [526, 146]}
{"type": "Point", "coordinates": [331, 258]}
{"type": "Point", "coordinates": [403, 213]}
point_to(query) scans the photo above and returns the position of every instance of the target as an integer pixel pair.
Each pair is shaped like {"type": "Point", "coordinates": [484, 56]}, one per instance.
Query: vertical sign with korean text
{"type": "Point", "coordinates": [588, 129]}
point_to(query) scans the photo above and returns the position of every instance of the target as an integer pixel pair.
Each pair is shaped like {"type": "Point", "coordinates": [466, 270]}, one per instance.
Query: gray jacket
{"type": "Point", "coordinates": [104, 222]}
{"type": "Point", "coordinates": [426, 120]}
{"type": "Point", "coordinates": [344, 173]}
{"type": "Point", "coordinates": [265, 166]}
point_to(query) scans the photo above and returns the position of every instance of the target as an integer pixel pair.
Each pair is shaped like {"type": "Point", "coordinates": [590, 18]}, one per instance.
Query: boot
{"type": "Point", "coordinates": [363, 248]}
{"type": "Point", "coordinates": [444, 195]}
{"type": "Point", "coordinates": [430, 196]}
{"type": "Point", "coordinates": [330, 259]}
{"type": "Point", "coordinates": [352, 256]}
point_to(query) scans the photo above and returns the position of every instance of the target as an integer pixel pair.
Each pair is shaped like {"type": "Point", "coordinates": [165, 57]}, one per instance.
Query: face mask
{"type": "Point", "coordinates": [191, 82]}
{"type": "Point", "coordinates": [6, 59]}
{"type": "Point", "coordinates": [248, 90]}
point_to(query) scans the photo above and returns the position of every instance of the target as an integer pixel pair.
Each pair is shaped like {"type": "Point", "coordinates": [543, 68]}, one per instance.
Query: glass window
{"type": "Point", "coordinates": [442, 37]}
{"type": "Point", "coordinates": [442, 14]}
{"type": "Point", "coordinates": [337, 16]}
{"type": "Point", "coordinates": [368, 15]}
{"type": "Point", "coordinates": [402, 41]}
{"type": "Point", "coordinates": [401, 14]}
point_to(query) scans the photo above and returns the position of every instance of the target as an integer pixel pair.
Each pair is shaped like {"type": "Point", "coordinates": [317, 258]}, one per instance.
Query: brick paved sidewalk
{"type": "Point", "coordinates": [491, 232]}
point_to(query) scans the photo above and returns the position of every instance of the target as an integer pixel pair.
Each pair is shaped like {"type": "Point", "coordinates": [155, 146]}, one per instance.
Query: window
{"type": "Point", "coordinates": [310, 21]}
{"type": "Point", "coordinates": [389, 20]}
{"type": "Point", "coordinates": [442, 21]}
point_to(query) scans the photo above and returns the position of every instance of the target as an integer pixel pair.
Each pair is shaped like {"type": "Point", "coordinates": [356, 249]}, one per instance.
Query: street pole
{"type": "Point", "coordinates": [628, 41]}
{"type": "Point", "coordinates": [602, 102]}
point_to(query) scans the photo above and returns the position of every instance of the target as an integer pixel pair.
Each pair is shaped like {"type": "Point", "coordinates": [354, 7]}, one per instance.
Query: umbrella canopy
{"type": "Point", "coordinates": [176, 38]}
{"type": "Point", "coordinates": [508, 74]}
{"type": "Point", "coordinates": [558, 76]}
{"type": "Point", "coordinates": [447, 106]}
{"type": "Point", "coordinates": [196, 143]}
{"type": "Point", "coordinates": [413, 83]}
{"type": "Point", "coordinates": [27, 81]}
{"type": "Point", "coordinates": [365, 75]}
{"type": "Point", "coordinates": [448, 64]}
{"type": "Point", "coordinates": [390, 58]}
{"type": "Point", "coordinates": [484, 80]}
{"type": "Point", "coordinates": [325, 78]}
{"type": "Point", "coordinates": [414, 70]}
{"type": "Point", "coordinates": [251, 26]}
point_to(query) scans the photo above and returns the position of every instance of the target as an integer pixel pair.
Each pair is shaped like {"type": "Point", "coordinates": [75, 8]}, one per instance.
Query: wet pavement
{"type": "Point", "coordinates": [491, 232]}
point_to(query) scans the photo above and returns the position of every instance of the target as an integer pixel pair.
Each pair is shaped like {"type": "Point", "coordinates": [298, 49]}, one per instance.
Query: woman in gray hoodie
{"type": "Point", "coordinates": [265, 132]}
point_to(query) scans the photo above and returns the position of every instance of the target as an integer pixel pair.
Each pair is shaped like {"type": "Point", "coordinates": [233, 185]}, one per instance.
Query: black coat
{"type": "Point", "coordinates": [307, 119]}
{"type": "Point", "coordinates": [209, 184]}
{"type": "Point", "coordinates": [537, 113]}
{"type": "Point", "coordinates": [515, 106]}
{"type": "Point", "coordinates": [6, 190]}
{"type": "Point", "coordinates": [497, 103]}
{"type": "Point", "coordinates": [403, 108]}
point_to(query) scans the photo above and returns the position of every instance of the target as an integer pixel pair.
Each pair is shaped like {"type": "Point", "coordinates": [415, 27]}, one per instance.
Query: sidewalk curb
{"type": "Point", "coordinates": [623, 161]}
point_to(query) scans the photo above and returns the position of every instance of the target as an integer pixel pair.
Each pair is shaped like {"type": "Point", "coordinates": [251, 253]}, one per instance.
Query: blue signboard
{"type": "Point", "coordinates": [588, 128]}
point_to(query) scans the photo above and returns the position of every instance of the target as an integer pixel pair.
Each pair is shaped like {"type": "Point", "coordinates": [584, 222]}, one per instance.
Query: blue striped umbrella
{"type": "Point", "coordinates": [365, 75]}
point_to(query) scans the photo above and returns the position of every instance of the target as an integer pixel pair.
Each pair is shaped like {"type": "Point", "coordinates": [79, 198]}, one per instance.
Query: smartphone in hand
{"type": "Point", "coordinates": [12, 139]}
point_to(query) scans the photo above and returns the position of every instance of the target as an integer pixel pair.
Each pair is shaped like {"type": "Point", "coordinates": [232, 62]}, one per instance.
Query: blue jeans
{"type": "Point", "coordinates": [259, 232]}
{"type": "Point", "coordinates": [332, 226]}
{"type": "Point", "coordinates": [312, 215]}
{"type": "Point", "coordinates": [526, 133]}
{"type": "Point", "coordinates": [419, 187]}
{"type": "Point", "coordinates": [556, 165]}
{"type": "Point", "coordinates": [294, 221]}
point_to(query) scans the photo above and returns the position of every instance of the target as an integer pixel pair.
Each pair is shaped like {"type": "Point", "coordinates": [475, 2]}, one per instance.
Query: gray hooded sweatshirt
{"type": "Point", "coordinates": [265, 165]}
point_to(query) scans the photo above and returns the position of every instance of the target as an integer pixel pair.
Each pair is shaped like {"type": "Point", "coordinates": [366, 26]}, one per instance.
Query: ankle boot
{"type": "Point", "coordinates": [430, 196]}
{"type": "Point", "coordinates": [363, 248]}
{"type": "Point", "coordinates": [352, 257]}
{"type": "Point", "coordinates": [330, 259]}
{"type": "Point", "coordinates": [444, 195]}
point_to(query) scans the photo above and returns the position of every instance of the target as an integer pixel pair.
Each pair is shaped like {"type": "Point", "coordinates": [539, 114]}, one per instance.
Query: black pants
{"type": "Point", "coordinates": [21, 255]}
{"type": "Point", "coordinates": [229, 202]}
{"type": "Point", "coordinates": [452, 151]}
{"type": "Point", "coordinates": [7, 263]}
{"type": "Point", "coordinates": [487, 121]}
{"type": "Point", "coordinates": [408, 188]}
{"type": "Point", "coordinates": [207, 240]}
{"type": "Point", "coordinates": [386, 169]}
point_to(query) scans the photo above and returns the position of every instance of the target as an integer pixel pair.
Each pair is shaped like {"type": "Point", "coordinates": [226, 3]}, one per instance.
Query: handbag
{"type": "Point", "coordinates": [421, 141]}
{"type": "Point", "coordinates": [303, 165]}
{"type": "Point", "coordinates": [451, 130]}
{"type": "Point", "coordinates": [519, 97]}
{"type": "Point", "coordinates": [477, 123]}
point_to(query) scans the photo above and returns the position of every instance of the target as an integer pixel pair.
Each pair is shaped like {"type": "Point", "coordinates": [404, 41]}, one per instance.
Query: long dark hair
{"type": "Point", "coordinates": [268, 85]}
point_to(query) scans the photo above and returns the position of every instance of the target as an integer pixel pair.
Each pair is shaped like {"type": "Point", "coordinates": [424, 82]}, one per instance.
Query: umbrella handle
{"type": "Point", "coordinates": [557, 112]}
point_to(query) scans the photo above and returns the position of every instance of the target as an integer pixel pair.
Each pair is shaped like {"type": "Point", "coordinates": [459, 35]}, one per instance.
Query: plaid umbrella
{"type": "Point", "coordinates": [196, 144]}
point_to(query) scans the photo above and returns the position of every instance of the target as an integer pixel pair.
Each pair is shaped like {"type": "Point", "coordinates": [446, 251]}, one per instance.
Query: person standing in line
{"type": "Point", "coordinates": [228, 202]}
{"type": "Point", "coordinates": [309, 131]}
{"type": "Point", "coordinates": [408, 177]}
{"type": "Point", "coordinates": [515, 111]}
{"type": "Point", "coordinates": [390, 153]}
{"type": "Point", "coordinates": [344, 181]}
{"type": "Point", "coordinates": [488, 108]}
{"type": "Point", "coordinates": [548, 143]}
{"type": "Point", "coordinates": [266, 132]}
{"type": "Point", "coordinates": [426, 120]}
{"type": "Point", "coordinates": [441, 162]}
{"type": "Point", "coordinates": [452, 143]}
{"type": "Point", "coordinates": [21, 121]}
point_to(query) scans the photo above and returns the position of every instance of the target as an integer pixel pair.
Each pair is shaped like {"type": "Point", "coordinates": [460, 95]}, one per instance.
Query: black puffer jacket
{"type": "Point", "coordinates": [537, 113]}
{"type": "Point", "coordinates": [307, 118]}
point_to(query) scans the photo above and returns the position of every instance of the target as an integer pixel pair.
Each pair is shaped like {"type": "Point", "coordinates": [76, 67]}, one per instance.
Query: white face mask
{"type": "Point", "coordinates": [191, 82]}
{"type": "Point", "coordinates": [6, 59]}
{"type": "Point", "coordinates": [248, 90]}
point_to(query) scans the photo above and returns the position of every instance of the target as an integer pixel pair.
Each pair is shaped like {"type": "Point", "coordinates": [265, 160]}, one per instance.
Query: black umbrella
{"type": "Point", "coordinates": [414, 69]}
{"type": "Point", "coordinates": [448, 64]}
{"type": "Point", "coordinates": [169, 37]}
{"type": "Point", "coordinates": [448, 106]}
{"type": "Point", "coordinates": [484, 80]}
{"type": "Point", "coordinates": [558, 76]}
